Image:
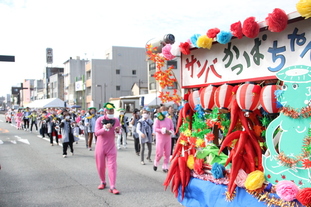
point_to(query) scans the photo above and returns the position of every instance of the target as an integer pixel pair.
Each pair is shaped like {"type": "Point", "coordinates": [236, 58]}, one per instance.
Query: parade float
{"type": "Point", "coordinates": [245, 126]}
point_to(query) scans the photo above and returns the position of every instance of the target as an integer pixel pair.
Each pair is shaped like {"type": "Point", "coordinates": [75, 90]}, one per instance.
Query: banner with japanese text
{"type": "Point", "coordinates": [248, 59]}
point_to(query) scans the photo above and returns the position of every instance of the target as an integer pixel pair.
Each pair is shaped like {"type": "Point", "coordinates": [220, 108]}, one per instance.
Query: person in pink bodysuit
{"type": "Point", "coordinates": [164, 128]}
{"type": "Point", "coordinates": [105, 150]}
{"type": "Point", "coordinates": [19, 119]}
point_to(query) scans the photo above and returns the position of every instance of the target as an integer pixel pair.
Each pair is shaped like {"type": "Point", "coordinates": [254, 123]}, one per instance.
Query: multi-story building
{"type": "Point", "coordinates": [56, 86]}
{"type": "Point", "coordinates": [49, 71]}
{"type": "Point", "coordinates": [74, 70]}
{"type": "Point", "coordinates": [114, 76]}
{"type": "Point", "coordinates": [27, 86]}
{"type": "Point", "coordinates": [38, 90]}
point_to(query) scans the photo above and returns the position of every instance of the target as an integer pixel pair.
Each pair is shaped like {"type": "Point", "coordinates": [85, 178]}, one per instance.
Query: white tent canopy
{"type": "Point", "coordinates": [47, 103]}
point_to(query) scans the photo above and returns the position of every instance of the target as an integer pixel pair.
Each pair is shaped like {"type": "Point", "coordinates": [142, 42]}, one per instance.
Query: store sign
{"type": "Point", "coordinates": [79, 86]}
{"type": "Point", "coordinates": [49, 55]}
{"type": "Point", "coordinates": [249, 59]}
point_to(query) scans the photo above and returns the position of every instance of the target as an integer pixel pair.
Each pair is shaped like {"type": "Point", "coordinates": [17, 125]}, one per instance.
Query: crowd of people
{"type": "Point", "coordinates": [107, 132]}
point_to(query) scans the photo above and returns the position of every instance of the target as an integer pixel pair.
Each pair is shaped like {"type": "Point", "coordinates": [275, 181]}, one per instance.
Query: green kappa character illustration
{"type": "Point", "coordinates": [288, 137]}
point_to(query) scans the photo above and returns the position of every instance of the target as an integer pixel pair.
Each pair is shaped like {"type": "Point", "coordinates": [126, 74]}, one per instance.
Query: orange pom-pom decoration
{"type": "Point", "coordinates": [277, 20]}
{"type": "Point", "coordinates": [304, 196]}
{"type": "Point", "coordinates": [236, 29]}
{"type": "Point", "coordinates": [250, 27]}
{"type": "Point", "coordinates": [185, 48]}
{"type": "Point", "coordinates": [211, 33]}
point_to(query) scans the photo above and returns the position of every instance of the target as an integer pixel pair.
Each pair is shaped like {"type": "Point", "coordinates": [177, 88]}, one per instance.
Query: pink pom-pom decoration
{"type": "Point", "coordinates": [185, 48]}
{"type": "Point", "coordinates": [211, 33]}
{"type": "Point", "coordinates": [240, 178]}
{"type": "Point", "coordinates": [304, 196]}
{"type": "Point", "coordinates": [277, 20]}
{"type": "Point", "coordinates": [166, 52]}
{"type": "Point", "coordinates": [250, 27]}
{"type": "Point", "coordinates": [287, 190]}
{"type": "Point", "coordinates": [236, 29]}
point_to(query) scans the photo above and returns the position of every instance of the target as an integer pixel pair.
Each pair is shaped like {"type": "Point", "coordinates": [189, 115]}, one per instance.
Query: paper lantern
{"type": "Point", "coordinates": [194, 99]}
{"type": "Point", "coordinates": [248, 96]}
{"type": "Point", "coordinates": [207, 97]}
{"type": "Point", "coordinates": [268, 99]}
{"type": "Point", "coordinates": [223, 96]}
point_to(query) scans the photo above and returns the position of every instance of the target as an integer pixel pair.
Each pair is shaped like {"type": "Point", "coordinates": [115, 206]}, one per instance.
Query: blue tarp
{"type": "Point", "coordinates": [201, 193]}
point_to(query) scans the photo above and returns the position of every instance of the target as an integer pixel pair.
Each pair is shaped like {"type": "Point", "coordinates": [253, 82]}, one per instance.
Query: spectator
{"type": "Point", "coordinates": [133, 122]}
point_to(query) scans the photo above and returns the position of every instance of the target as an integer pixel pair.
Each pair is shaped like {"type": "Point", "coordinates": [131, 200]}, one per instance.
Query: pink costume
{"type": "Point", "coordinates": [19, 120]}
{"type": "Point", "coordinates": [163, 143]}
{"type": "Point", "coordinates": [105, 151]}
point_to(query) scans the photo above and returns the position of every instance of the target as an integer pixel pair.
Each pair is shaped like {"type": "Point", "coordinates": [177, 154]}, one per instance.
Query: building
{"type": "Point", "coordinates": [56, 86]}
{"type": "Point", "coordinates": [74, 71]}
{"type": "Point", "coordinates": [49, 71]}
{"type": "Point", "coordinates": [27, 87]}
{"type": "Point", "coordinates": [38, 90]}
{"type": "Point", "coordinates": [114, 76]}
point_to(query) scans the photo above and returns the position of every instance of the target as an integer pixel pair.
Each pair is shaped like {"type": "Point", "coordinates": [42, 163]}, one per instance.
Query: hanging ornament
{"type": "Point", "coordinates": [207, 97]}
{"type": "Point", "coordinates": [248, 96]}
{"type": "Point", "coordinates": [223, 96]}
{"type": "Point", "coordinates": [268, 100]}
{"type": "Point", "coordinates": [194, 99]}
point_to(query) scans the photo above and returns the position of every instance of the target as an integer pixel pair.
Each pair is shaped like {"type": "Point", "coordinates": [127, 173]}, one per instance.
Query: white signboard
{"type": "Point", "coordinates": [79, 86]}
{"type": "Point", "coordinates": [49, 55]}
{"type": "Point", "coordinates": [248, 59]}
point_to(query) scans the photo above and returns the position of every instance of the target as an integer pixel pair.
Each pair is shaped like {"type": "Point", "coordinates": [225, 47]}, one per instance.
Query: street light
{"type": "Point", "coordinates": [101, 90]}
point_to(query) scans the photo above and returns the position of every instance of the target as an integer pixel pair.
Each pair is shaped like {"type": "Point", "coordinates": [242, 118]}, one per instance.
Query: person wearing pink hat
{"type": "Point", "coordinates": [106, 128]}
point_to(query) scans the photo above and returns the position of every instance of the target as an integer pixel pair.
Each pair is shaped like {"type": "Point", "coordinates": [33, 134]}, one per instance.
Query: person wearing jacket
{"type": "Point", "coordinates": [133, 122]}
{"type": "Point", "coordinates": [164, 129]}
{"type": "Point", "coordinates": [144, 130]}
{"type": "Point", "coordinates": [106, 128]}
{"type": "Point", "coordinates": [52, 122]}
{"type": "Point", "coordinates": [122, 137]}
{"type": "Point", "coordinates": [89, 121]}
{"type": "Point", "coordinates": [33, 120]}
{"type": "Point", "coordinates": [67, 133]}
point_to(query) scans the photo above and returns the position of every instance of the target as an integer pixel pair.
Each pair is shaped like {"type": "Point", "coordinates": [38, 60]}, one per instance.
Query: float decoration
{"type": "Point", "coordinates": [277, 20]}
{"type": "Point", "coordinates": [164, 77]}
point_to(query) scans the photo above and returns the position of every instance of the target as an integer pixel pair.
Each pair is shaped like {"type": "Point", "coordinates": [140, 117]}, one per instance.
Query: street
{"type": "Point", "coordinates": [33, 173]}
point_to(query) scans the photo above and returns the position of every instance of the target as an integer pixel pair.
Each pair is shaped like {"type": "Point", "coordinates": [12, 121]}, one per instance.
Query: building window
{"type": "Point", "coordinates": [152, 66]}
{"type": "Point", "coordinates": [118, 88]}
{"type": "Point", "coordinates": [117, 71]}
{"type": "Point", "coordinates": [88, 74]}
{"type": "Point", "coordinates": [172, 63]}
{"type": "Point", "coordinates": [173, 87]}
{"type": "Point", "coordinates": [152, 86]}
{"type": "Point", "coordinates": [133, 72]}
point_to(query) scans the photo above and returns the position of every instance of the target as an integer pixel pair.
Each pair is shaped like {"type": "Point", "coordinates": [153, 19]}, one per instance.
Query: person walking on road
{"type": "Point", "coordinates": [133, 122]}
{"type": "Point", "coordinates": [67, 133]}
{"type": "Point", "coordinates": [122, 137]}
{"type": "Point", "coordinates": [164, 129]}
{"type": "Point", "coordinates": [144, 130]}
{"type": "Point", "coordinates": [90, 120]}
{"type": "Point", "coordinates": [106, 128]}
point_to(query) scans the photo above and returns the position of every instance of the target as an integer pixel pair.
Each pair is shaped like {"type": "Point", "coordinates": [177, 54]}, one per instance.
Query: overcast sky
{"type": "Point", "coordinates": [86, 28]}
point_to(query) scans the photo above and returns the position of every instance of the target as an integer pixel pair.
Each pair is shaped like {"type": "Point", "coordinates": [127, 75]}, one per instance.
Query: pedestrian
{"type": "Point", "coordinates": [90, 120]}
{"type": "Point", "coordinates": [76, 131]}
{"type": "Point", "coordinates": [19, 119]}
{"type": "Point", "coordinates": [144, 130]}
{"type": "Point", "coordinates": [33, 120]}
{"type": "Point", "coordinates": [163, 128]}
{"type": "Point", "coordinates": [52, 122]}
{"type": "Point", "coordinates": [172, 115]}
{"type": "Point", "coordinates": [122, 137]}
{"type": "Point", "coordinates": [43, 125]}
{"type": "Point", "coordinates": [105, 150]}
{"type": "Point", "coordinates": [26, 118]}
{"type": "Point", "coordinates": [67, 133]}
{"type": "Point", "coordinates": [133, 121]}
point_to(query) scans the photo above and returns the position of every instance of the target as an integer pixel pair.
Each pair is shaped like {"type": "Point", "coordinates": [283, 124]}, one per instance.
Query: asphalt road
{"type": "Point", "coordinates": [35, 174]}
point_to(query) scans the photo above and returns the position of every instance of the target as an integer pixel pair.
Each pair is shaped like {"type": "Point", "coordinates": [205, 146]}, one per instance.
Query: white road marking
{"type": "Point", "coordinates": [1, 142]}
{"type": "Point", "coordinates": [22, 140]}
